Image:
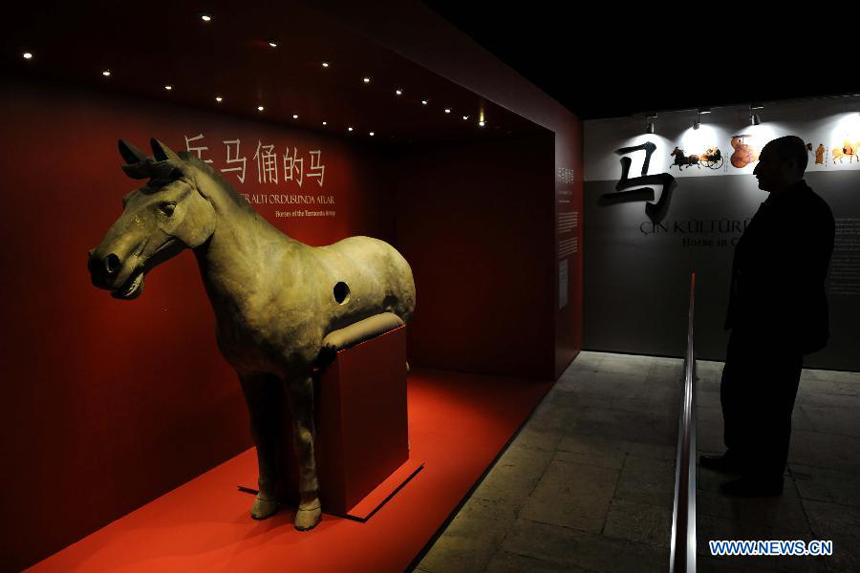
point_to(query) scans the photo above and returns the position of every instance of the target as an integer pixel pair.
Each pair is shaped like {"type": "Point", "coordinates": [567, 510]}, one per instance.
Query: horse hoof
{"type": "Point", "coordinates": [308, 515]}
{"type": "Point", "coordinates": [264, 507]}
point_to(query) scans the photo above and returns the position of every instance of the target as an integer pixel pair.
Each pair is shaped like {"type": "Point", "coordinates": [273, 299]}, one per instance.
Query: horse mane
{"type": "Point", "coordinates": [227, 190]}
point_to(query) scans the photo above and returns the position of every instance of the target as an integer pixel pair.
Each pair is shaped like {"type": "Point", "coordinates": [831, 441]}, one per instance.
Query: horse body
{"type": "Point", "coordinates": [276, 302]}
{"type": "Point", "coordinates": [274, 298]}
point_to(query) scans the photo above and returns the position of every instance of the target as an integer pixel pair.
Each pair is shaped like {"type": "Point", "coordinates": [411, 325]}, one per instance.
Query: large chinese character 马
{"type": "Point", "coordinates": [624, 189]}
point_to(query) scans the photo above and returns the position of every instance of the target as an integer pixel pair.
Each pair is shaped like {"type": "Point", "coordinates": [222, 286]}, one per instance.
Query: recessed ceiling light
{"type": "Point", "coordinates": [325, 123]}
{"type": "Point", "coordinates": [481, 123]}
{"type": "Point", "coordinates": [273, 43]}
{"type": "Point", "coordinates": [399, 92]}
{"type": "Point", "coordinates": [106, 73]}
{"type": "Point", "coordinates": [366, 80]}
{"type": "Point", "coordinates": [372, 134]}
{"type": "Point", "coordinates": [219, 99]}
{"type": "Point", "coordinates": [465, 117]}
{"type": "Point", "coordinates": [425, 101]}
{"type": "Point", "coordinates": [349, 129]}
{"type": "Point", "coordinates": [325, 64]}
{"type": "Point", "coordinates": [206, 17]}
{"type": "Point", "coordinates": [28, 56]}
{"type": "Point", "coordinates": [447, 110]}
{"type": "Point", "coordinates": [295, 116]}
{"type": "Point", "coordinates": [260, 108]}
{"type": "Point", "coordinates": [168, 87]}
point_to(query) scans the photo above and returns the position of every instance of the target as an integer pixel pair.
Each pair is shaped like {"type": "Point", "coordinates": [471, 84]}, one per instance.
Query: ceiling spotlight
{"type": "Point", "coordinates": [447, 110]}
{"type": "Point", "coordinates": [28, 56]}
{"type": "Point", "coordinates": [273, 43]}
{"type": "Point", "coordinates": [325, 64]}
{"type": "Point", "coordinates": [366, 80]}
{"type": "Point", "coordinates": [260, 108]}
{"type": "Point", "coordinates": [465, 117]}
{"type": "Point", "coordinates": [372, 134]}
{"type": "Point", "coordinates": [650, 123]}
{"type": "Point", "coordinates": [754, 117]}
{"type": "Point", "coordinates": [295, 116]}
{"type": "Point", "coordinates": [168, 87]}
{"type": "Point", "coordinates": [349, 129]}
{"type": "Point", "coordinates": [106, 73]}
{"type": "Point", "coordinates": [206, 17]}
{"type": "Point", "coordinates": [398, 92]}
{"type": "Point", "coordinates": [325, 123]}
{"type": "Point", "coordinates": [481, 123]}
{"type": "Point", "coordinates": [219, 99]}
{"type": "Point", "coordinates": [425, 101]}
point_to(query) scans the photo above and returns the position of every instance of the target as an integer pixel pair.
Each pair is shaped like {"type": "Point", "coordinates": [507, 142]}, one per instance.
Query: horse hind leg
{"type": "Point", "coordinates": [301, 399]}
{"type": "Point", "coordinates": [264, 396]}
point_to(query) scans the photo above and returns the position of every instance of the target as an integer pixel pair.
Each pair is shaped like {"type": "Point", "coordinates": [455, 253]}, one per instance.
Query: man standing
{"type": "Point", "coordinates": [777, 313]}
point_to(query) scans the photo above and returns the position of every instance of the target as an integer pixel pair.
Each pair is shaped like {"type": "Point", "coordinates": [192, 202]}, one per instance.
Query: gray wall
{"type": "Point", "coordinates": [636, 284]}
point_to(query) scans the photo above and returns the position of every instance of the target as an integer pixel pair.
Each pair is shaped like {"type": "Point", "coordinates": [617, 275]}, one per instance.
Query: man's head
{"type": "Point", "coordinates": [781, 163]}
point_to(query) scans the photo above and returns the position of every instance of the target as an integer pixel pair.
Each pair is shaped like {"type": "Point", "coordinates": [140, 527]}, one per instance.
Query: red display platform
{"type": "Point", "coordinates": [458, 423]}
{"type": "Point", "coordinates": [362, 433]}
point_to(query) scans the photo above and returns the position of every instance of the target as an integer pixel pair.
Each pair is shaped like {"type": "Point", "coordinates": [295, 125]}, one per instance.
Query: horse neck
{"type": "Point", "coordinates": [230, 260]}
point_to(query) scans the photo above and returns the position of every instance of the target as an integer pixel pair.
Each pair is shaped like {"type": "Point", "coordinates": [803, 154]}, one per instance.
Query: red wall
{"type": "Point", "coordinates": [477, 233]}
{"type": "Point", "coordinates": [414, 31]}
{"type": "Point", "coordinates": [111, 403]}
{"type": "Point", "coordinates": [108, 404]}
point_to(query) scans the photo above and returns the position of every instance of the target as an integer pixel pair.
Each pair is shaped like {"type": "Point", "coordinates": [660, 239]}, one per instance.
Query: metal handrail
{"type": "Point", "coordinates": [683, 543]}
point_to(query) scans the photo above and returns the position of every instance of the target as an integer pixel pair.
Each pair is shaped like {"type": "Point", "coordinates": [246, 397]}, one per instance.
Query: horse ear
{"type": "Point", "coordinates": [130, 153]}
{"type": "Point", "coordinates": [137, 170]}
{"type": "Point", "coordinates": [161, 152]}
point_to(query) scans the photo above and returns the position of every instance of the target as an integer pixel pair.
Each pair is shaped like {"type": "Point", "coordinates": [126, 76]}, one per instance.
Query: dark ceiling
{"type": "Point", "coordinates": [148, 46]}
{"type": "Point", "coordinates": [598, 60]}
{"type": "Point", "coordinates": [616, 59]}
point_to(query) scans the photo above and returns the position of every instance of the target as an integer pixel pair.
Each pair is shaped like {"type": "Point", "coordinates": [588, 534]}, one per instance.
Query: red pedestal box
{"type": "Point", "coordinates": [361, 423]}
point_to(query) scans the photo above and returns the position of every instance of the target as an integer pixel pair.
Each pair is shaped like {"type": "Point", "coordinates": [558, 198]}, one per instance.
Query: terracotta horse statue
{"type": "Point", "coordinates": [275, 298]}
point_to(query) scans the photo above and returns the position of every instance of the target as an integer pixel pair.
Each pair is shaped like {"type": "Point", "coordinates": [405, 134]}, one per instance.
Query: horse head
{"type": "Point", "coordinates": [158, 221]}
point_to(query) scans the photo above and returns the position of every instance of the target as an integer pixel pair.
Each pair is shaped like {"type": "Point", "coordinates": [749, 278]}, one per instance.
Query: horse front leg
{"type": "Point", "coordinates": [301, 399]}
{"type": "Point", "coordinates": [264, 396]}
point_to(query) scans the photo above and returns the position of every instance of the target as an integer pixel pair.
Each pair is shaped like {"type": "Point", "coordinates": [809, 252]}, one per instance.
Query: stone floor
{"type": "Point", "coordinates": [588, 483]}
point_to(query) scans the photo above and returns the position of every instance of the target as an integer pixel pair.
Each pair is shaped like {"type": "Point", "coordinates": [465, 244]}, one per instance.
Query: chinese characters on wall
{"type": "Point", "coordinates": [265, 158]}
{"type": "Point", "coordinates": [271, 167]}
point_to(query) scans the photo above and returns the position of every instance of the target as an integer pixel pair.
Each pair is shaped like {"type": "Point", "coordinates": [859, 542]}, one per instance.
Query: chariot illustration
{"type": "Point", "coordinates": [712, 158]}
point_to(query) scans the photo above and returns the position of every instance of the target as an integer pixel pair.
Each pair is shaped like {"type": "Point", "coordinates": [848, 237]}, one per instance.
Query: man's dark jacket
{"type": "Point", "coordinates": [779, 270]}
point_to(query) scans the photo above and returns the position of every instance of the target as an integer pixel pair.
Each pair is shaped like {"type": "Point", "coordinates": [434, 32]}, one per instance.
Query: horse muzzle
{"type": "Point", "coordinates": [108, 273]}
